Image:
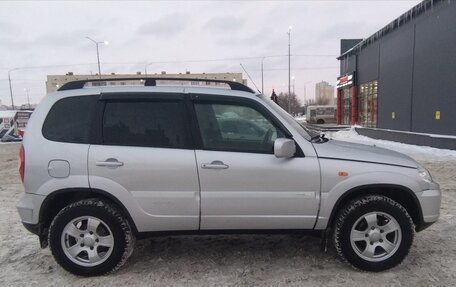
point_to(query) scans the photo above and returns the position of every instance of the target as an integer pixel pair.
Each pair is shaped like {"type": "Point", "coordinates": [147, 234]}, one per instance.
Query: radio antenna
{"type": "Point", "coordinates": [250, 77]}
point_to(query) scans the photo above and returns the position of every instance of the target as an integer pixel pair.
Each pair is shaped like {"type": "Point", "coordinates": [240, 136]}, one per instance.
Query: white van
{"type": "Point", "coordinates": [321, 114]}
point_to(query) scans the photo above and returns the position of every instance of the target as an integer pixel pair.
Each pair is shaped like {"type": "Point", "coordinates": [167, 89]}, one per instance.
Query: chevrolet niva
{"type": "Point", "coordinates": [104, 165]}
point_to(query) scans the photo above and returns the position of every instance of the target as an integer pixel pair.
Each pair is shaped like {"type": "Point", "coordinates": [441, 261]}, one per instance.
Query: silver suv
{"type": "Point", "coordinates": [103, 166]}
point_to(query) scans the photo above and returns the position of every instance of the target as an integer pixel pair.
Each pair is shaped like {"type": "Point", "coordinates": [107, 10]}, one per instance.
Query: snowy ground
{"type": "Point", "coordinates": [237, 260]}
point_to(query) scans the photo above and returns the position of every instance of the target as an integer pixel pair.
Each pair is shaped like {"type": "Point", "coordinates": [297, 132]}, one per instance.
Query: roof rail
{"type": "Point", "coordinates": [152, 81]}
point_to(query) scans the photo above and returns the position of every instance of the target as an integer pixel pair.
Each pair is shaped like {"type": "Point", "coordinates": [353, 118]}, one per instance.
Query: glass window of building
{"type": "Point", "coordinates": [346, 106]}
{"type": "Point", "coordinates": [367, 104]}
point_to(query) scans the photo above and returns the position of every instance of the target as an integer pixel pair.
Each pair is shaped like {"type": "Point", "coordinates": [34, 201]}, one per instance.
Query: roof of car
{"type": "Point", "coordinates": [148, 84]}
{"type": "Point", "coordinates": [210, 90]}
{"type": "Point", "coordinates": [151, 81]}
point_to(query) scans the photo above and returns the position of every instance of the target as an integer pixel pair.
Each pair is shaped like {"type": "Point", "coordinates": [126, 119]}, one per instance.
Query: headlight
{"type": "Point", "coordinates": [424, 174]}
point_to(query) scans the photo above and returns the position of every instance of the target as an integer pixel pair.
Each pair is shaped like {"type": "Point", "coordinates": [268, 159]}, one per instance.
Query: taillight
{"type": "Point", "coordinates": [22, 162]}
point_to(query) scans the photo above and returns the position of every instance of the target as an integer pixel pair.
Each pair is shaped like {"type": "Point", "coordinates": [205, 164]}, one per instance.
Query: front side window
{"type": "Point", "coordinates": [304, 132]}
{"type": "Point", "coordinates": [145, 123]}
{"type": "Point", "coordinates": [239, 128]}
{"type": "Point", "coordinates": [69, 120]}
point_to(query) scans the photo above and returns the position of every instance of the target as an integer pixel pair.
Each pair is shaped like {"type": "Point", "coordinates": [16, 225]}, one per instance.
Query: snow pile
{"type": "Point", "coordinates": [417, 152]}
{"type": "Point", "coordinates": [301, 118]}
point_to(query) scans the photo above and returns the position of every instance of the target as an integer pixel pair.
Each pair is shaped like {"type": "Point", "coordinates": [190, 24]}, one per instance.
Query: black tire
{"type": "Point", "coordinates": [351, 216]}
{"type": "Point", "coordinates": [320, 122]}
{"type": "Point", "coordinates": [122, 239]}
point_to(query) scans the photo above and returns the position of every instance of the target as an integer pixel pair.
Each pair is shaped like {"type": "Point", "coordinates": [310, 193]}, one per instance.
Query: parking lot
{"type": "Point", "coordinates": [230, 260]}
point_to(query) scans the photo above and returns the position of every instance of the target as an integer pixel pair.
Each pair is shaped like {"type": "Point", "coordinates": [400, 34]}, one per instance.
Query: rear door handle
{"type": "Point", "coordinates": [216, 164]}
{"type": "Point", "coordinates": [110, 162]}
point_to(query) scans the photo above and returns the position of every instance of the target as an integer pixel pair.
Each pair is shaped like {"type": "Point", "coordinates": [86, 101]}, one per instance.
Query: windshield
{"type": "Point", "coordinates": [303, 131]}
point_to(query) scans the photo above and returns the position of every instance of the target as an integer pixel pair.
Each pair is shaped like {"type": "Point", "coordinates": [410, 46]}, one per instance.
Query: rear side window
{"type": "Point", "coordinates": [69, 120]}
{"type": "Point", "coordinates": [146, 123]}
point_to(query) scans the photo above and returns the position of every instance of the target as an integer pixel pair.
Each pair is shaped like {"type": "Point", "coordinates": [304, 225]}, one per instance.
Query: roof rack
{"type": "Point", "coordinates": [152, 81]}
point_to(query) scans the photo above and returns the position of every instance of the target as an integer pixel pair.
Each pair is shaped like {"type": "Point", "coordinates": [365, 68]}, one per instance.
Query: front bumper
{"type": "Point", "coordinates": [430, 204]}
{"type": "Point", "coordinates": [430, 200]}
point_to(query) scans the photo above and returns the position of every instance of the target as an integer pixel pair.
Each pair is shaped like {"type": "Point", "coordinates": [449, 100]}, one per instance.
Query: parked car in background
{"type": "Point", "coordinates": [12, 124]}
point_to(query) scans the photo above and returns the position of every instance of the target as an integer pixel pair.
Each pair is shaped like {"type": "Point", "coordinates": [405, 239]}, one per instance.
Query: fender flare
{"type": "Point", "coordinates": [88, 192]}
{"type": "Point", "coordinates": [366, 189]}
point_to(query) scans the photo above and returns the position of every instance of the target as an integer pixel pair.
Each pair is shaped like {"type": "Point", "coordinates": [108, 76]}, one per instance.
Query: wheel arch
{"type": "Point", "coordinates": [401, 194]}
{"type": "Point", "coordinates": [58, 199]}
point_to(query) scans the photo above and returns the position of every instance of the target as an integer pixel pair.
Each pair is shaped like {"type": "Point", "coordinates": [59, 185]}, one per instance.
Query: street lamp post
{"type": "Point", "coordinates": [289, 69]}
{"type": "Point", "coordinates": [262, 76]}
{"type": "Point", "coordinates": [305, 94]}
{"type": "Point", "coordinates": [10, 86]}
{"type": "Point", "coordinates": [145, 67]}
{"type": "Point", "coordinates": [293, 78]}
{"type": "Point", "coordinates": [98, 53]}
{"type": "Point", "coordinates": [28, 98]}
{"type": "Point", "coordinates": [11, 89]}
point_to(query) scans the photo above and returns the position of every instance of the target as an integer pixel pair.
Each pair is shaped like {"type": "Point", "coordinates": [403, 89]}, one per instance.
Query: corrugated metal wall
{"type": "Point", "coordinates": [434, 83]}
{"type": "Point", "coordinates": [395, 80]}
{"type": "Point", "coordinates": [415, 65]}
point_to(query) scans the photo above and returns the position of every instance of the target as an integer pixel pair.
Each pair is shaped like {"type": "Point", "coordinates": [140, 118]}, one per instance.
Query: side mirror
{"type": "Point", "coordinates": [284, 148]}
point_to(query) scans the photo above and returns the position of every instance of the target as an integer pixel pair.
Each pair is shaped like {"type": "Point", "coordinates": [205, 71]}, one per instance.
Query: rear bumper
{"type": "Point", "coordinates": [29, 206]}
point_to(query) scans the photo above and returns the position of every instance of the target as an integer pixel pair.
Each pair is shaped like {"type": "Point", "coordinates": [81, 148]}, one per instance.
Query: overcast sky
{"type": "Point", "coordinates": [183, 36]}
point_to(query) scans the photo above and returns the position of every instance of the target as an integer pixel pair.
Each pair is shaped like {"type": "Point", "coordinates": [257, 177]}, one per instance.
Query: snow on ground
{"type": "Point", "coordinates": [417, 152]}
{"type": "Point", "coordinates": [236, 260]}
{"type": "Point", "coordinates": [301, 119]}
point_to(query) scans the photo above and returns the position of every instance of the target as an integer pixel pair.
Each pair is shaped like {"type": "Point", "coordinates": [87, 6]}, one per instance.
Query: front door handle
{"type": "Point", "coordinates": [216, 164]}
{"type": "Point", "coordinates": [110, 162]}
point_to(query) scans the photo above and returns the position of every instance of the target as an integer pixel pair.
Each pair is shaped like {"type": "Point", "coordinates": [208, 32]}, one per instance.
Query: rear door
{"type": "Point", "coordinates": [145, 158]}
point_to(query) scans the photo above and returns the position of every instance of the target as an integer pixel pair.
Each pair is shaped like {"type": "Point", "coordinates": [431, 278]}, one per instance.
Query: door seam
{"type": "Point", "coordinates": [199, 190]}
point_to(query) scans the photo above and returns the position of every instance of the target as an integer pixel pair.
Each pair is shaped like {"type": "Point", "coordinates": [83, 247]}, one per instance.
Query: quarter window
{"type": "Point", "coordinates": [69, 120]}
{"type": "Point", "coordinates": [145, 123]}
{"type": "Point", "coordinates": [235, 128]}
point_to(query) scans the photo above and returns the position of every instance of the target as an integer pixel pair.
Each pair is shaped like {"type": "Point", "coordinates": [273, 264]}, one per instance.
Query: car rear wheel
{"type": "Point", "coordinates": [90, 237]}
{"type": "Point", "coordinates": [373, 233]}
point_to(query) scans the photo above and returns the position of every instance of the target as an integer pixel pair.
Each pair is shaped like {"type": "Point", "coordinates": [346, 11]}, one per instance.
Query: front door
{"type": "Point", "coordinates": [243, 185]}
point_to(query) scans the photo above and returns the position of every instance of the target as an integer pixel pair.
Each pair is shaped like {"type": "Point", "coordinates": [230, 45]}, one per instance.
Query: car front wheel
{"type": "Point", "coordinates": [90, 237]}
{"type": "Point", "coordinates": [373, 233]}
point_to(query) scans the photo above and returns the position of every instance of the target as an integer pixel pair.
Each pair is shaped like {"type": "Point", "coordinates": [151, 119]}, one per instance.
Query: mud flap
{"type": "Point", "coordinates": [324, 240]}
{"type": "Point", "coordinates": [43, 241]}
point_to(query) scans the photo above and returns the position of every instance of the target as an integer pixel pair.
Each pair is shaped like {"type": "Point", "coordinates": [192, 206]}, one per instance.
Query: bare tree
{"type": "Point", "coordinates": [294, 103]}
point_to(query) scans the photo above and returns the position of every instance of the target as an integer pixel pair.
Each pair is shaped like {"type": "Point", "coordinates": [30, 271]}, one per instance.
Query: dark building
{"type": "Point", "coordinates": [404, 76]}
